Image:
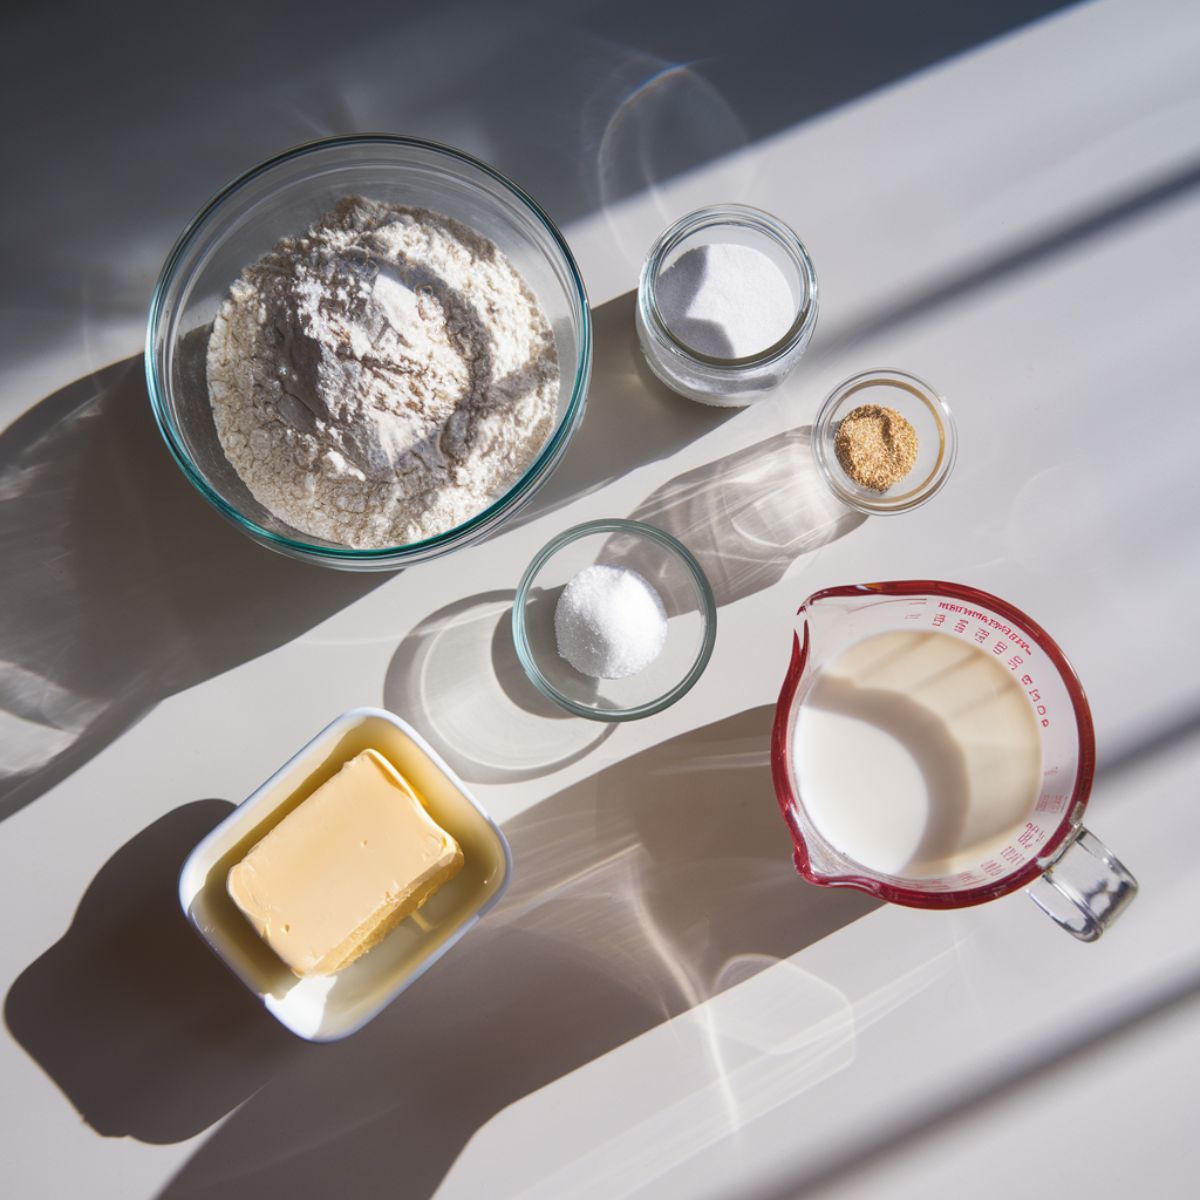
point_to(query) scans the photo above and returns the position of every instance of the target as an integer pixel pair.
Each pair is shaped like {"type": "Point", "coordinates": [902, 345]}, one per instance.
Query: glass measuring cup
{"type": "Point", "coordinates": [1068, 872]}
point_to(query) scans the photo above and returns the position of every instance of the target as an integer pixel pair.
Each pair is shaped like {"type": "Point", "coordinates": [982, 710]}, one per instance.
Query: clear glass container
{"type": "Point", "coordinates": [283, 197]}
{"type": "Point", "coordinates": [1067, 871]}
{"type": "Point", "coordinates": [709, 378]}
{"type": "Point", "coordinates": [668, 566]}
{"type": "Point", "coordinates": [922, 407]}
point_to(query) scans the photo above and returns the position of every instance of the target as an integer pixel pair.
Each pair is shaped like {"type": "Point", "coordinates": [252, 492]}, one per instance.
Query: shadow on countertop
{"type": "Point", "coordinates": [747, 517]}
{"type": "Point", "coordinates": [125, 588]}
{"type": "Point", "coordinates": [120, 585]}
{"type": "Point", "coordinates": [583, 102]}
{"type": "Point", "coordinates": [631, 419]}
{"type": "Point", "coordinates": [456, 677]}
{"type": "Point", "coordinates": [637, 894]}
{"type": "Point", "coordinates": [489, 721]}
{"type": "Point", "coordinates": [146, 1033]}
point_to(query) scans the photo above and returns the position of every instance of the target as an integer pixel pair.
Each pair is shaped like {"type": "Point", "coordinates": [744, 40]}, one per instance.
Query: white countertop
{"type": "Point", "coordinates": [661, 1006]}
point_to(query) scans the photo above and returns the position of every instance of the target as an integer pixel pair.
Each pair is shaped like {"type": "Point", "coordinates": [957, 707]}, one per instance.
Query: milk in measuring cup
{"type": "Point", "coordinates": [917, 754]}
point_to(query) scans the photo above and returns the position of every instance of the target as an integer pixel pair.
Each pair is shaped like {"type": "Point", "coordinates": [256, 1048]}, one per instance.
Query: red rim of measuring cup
{"type": "Point", "coordinates": [789, 802]}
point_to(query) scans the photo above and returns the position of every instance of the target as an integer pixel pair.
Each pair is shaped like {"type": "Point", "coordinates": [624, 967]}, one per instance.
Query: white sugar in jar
{"type": "Point", "coordinates": [727, 304]}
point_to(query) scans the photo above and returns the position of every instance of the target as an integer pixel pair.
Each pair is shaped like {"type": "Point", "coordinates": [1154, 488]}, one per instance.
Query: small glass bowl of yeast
{"type": "Point", "coordinates": [930, 419]}
{"type": "Point", "coordinates": [328, 1007]}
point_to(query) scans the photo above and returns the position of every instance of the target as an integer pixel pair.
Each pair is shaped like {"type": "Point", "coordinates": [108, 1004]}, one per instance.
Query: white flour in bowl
{"type": "Point", "coordinates": [382, 377]}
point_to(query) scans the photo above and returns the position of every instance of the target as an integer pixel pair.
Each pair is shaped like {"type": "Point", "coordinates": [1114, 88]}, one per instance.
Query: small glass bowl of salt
{"type": "Point", "coordinates": [614, 620]}
{"type": "Point", "coordinates": [727, 304]}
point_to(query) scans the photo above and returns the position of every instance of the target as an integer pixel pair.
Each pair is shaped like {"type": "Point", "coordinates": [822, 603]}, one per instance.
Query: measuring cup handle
{"type": "Point", "coordinates": [1086, 888]}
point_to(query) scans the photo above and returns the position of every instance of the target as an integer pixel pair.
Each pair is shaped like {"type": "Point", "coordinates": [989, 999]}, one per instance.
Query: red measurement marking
{"type": "Point", "coordinates": [1035, 695]}
{"type": "Point", "coordinates": [1032, 833]}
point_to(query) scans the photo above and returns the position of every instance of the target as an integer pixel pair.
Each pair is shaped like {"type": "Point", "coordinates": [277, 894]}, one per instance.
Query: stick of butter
{"type": "Point", "coordinates": [344, 868]}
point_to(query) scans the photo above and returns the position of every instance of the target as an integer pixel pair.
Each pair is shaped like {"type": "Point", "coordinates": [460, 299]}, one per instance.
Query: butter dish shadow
{"type": "Point", "coordinates": [637, 894]}
{"type": "Point", "coordinates": [145, 1032]}
{"type": "Point", "coordinates": [121, 586]}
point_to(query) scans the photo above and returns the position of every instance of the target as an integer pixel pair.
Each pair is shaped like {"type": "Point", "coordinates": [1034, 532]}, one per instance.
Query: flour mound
{"type": "Point", "coordinates": [381, 378]}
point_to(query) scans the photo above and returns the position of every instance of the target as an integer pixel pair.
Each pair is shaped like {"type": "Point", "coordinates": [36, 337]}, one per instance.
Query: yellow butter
{"type": "Point", "coordinates": [344, 868]}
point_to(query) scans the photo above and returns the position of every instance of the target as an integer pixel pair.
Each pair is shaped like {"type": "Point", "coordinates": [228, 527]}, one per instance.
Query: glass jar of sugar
{"type": "Point", "coordinates": [727, 303]}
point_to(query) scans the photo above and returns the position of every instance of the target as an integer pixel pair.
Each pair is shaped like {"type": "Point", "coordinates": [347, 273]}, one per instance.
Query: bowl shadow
{"type": "Point", "coordinates": [121, 586]}
{"type": "Point", "coordinates": [457, 679]}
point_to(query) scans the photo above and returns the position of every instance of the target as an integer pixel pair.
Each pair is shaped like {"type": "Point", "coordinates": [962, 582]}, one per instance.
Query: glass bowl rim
{"type": "Point", "coordinates": [449, 538]}
{"type": "Point", "coordinates": [934, 402]}
{"type": "Point", "coordinates": [729, 214]}
{"type": "Point", "coordinates": [708, 609]}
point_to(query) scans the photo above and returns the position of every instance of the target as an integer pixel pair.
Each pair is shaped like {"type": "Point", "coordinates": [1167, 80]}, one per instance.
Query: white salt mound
{"type": "Point", "coordinates": [609, 623]}
{"type": "Point", "coordinates": [726, 300]}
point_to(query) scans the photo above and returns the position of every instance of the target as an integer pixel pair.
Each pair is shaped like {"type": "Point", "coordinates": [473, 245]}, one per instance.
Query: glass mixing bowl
{"type": "Point", "coordinates": [283, 197]}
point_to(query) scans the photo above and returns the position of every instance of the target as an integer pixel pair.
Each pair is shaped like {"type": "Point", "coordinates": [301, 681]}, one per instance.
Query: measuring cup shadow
{"type": "Point", "coordinates": [749, 516]}
{"type": "Point", "coordinates": [456, 677]}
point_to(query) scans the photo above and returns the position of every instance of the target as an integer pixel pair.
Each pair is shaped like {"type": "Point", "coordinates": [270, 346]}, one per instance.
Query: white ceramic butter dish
{"type": "Point", "coordinates": [326, 1008]}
